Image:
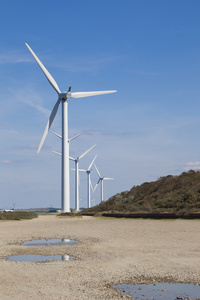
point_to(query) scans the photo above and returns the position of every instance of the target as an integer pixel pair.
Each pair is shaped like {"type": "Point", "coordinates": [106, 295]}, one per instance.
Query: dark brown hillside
{"type": "Point", "coordinates": [172, 194]}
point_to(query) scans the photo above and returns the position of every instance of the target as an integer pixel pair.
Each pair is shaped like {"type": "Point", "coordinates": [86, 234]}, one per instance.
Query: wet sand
{"type": "Point", "coordinates": [109, 251]}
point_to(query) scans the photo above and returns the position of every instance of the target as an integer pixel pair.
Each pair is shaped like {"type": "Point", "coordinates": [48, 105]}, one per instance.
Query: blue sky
{"type": "Point", "coordinates": [148, 50]}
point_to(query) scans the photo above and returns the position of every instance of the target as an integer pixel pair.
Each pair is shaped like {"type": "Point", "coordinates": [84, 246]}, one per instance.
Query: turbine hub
{"type": "Point", "coordinates": [63, 96]}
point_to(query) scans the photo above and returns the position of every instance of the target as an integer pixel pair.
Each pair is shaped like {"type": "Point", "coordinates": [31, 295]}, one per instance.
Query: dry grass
{"type": "Point", "coordinates": [17, 215]}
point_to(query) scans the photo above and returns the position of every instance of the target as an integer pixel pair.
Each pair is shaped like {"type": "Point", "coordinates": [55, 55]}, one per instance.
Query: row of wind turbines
{"type": "Point", "coordinates": [88, 171]}
{"type": "Point", "coordinates": [63, 98]}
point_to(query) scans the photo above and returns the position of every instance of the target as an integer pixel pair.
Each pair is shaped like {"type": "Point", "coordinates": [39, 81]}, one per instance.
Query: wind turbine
{"type": "Point", "coordinates": [62, 97]}
{"type": "Point", "coordinates": [101, 179]}
{"type": "Point", "coordinates": [76, 160]}
{"type": "Point", "coordinates": [89, 183]}
{"type": "Point", "coordinates": [77, 181]}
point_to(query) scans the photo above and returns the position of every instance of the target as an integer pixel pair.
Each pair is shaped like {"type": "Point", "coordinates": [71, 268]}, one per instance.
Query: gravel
{"type": "Point", "coordinates": [110, 251]}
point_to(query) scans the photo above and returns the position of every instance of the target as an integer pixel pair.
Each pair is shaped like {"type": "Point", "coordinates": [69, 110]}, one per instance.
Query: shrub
{"type": "Point", "coordinates": [174, 194]}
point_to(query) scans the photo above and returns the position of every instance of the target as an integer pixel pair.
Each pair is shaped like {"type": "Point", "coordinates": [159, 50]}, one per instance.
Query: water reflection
{"type": "Point", "coordinates": [158, 291]}
{"type": "Point", "coordinates": [50, 242]}
{"type": "Point", "coordinates": [39, 258]}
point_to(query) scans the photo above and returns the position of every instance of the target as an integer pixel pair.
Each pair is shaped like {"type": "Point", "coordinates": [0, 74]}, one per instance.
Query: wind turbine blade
{"type": "Point", "coordinates": [46, 73]}
{"type": "Point", "coordinates": [78, 135]}
{"type": "Point", "coordinates": [56, 134]}
{"type": "Point", "coordinates": [88, 94]}
{"type": "Point", "coordinates": [57, 153]}
{"type": "Point", "coordinates": [97, 184]}
{"type": "Point", "coordinates": [106, 178]}
{"type": "Point", "coordinates": [98, 180]}
{"type": "Point", "coordinates": [92, 163]}
{"type": "Point", "coordinates": [91, 185]}
{"type": "Point", "coordinates": [81, 170]}
{"type": "Point", "coordinates": [72, 137]}
{"type": "Point", "coordinates": [71, 158]}
{"type": "Point", "coordinates": [97, 171]}
{"type": "Point", "coordinates": [95, 187]}
{"type": "Point", "coordinates": [51, 118]}
{"type": "Point", "coordinates": [82, 155]}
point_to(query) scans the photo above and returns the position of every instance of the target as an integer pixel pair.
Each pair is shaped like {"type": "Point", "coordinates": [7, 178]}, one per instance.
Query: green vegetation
{"type": "Point", "coordinates": [70, 214]}
{"type": "Point", "coordinates": [170, 194]}
{"type": "Point", "coordinates": [17, 215]}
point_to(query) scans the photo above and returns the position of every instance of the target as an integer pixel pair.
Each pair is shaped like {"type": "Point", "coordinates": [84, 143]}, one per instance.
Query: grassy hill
{"type": "Point", "coordinates": [170, 194]}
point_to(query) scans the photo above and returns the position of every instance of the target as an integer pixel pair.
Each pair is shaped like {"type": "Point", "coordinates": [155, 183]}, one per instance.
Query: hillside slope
{"type": "Point", "coordinates": [172, 194]}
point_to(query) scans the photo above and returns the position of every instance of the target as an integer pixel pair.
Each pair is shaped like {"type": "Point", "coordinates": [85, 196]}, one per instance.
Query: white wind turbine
{"type": "Point", "coordinates": [62, 97]}
{"type": "Point", "coordinates": [89, 183]}
{"type": "Point", "coordinates": [76, 160]}
{"type": "Point", "coordinates": [77, 181]}
{"type": "Point", "coordinates": [101, 179]}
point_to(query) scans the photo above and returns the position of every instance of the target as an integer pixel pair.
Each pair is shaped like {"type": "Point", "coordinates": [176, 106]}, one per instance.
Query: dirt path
{"type": "Point", "coordinates": [109, 251]}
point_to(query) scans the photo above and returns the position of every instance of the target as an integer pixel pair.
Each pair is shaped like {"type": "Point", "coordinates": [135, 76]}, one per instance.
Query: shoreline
{"type": "Point", "coordinates": [109, 252]}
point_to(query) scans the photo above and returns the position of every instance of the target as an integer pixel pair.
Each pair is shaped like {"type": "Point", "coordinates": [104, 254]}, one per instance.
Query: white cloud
{"type": "Point", "coordinates": [34, 99]}
{"type": "Point", "coordinates": [197, 163]}
{"type": "Point", "coordinates": [6, 161]}
{"type": "Point", "coordinates": [192, 165]}
{"type": "Point", "coordinates": [39, 108]}
{"type": "Point", "coordinates": [13, 57]}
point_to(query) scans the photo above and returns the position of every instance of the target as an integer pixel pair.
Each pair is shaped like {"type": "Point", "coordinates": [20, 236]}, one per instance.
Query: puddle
{"type": "Point", "coordinates": [160, 291]}
{"type": "Point", "coordinates": [51, 242]}
{"type": "Point", "coordinates": [44, 243]}
{"type": "Point", "coordinates": [39, 258]}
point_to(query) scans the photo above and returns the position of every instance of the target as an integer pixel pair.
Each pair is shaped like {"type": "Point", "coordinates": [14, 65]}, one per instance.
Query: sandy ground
{"type": "Point", "coordinates": [109, 251]}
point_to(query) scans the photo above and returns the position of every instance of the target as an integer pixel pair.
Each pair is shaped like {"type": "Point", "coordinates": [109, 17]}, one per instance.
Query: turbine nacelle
{"type": "Point", "coordinates": [64, 96]}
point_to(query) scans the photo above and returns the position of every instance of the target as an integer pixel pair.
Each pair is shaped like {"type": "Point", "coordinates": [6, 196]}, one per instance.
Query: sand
{"type": "Point", "coordinates": [109, 251]}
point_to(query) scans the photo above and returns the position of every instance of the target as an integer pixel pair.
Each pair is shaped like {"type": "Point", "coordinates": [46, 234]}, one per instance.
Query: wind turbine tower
{"type": "Point", "coordinates": [62, 98]}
